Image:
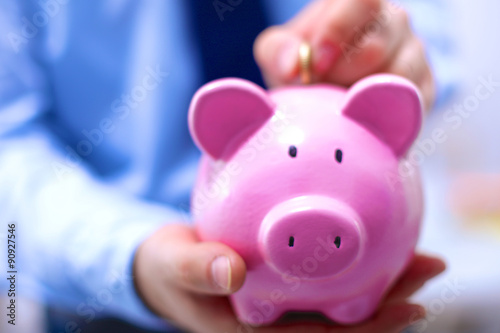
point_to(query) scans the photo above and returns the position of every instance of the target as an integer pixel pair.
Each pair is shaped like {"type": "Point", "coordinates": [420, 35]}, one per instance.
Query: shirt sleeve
{"type": "Point", "coordinates": [76, 236]}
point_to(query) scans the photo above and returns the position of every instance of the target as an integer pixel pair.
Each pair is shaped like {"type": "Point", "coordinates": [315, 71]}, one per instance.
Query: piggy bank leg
{"type": "Point", "coordinates": [254, 311]}
{"type": "Point", "coordinates": [361, 307]}
{"type": "Point", "coordinates": [352, 311]}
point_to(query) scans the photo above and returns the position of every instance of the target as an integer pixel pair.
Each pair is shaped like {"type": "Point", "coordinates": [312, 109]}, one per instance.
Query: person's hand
{"type": "Point", "coordinates": [176, 277]}
{"type": "Point", "coordinates": [350, 39]}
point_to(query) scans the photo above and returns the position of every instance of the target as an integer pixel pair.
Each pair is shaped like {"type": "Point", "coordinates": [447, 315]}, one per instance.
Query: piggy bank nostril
{"type": "Point", "coordinates": [338, 155]}
{"type": "Point", "coordinates": [317, 232]}
{"type": "Point", "coordinates": [337, 242]}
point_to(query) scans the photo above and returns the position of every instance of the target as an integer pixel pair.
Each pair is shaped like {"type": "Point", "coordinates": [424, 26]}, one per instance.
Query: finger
{"type": "Point", "coordinates": [428, 89]}
{"type": "Point", "coordinates": [276, 51]}
{"type": "Point", "coordinates": [308, 17]}
{"type": "Point", "coordinates": [208, 267]}
{"type": "Point", "coordinates": [338, 24]}
{"type": "Point", "coordinates": [422, 269]}
{"type": "Point", "coordinates": [391, 318]}
{"type": "Point", "coordinates": [372, 51]}
{"type": "Point", "coordinates": [205, 267]}
{"type": "Point", "coordinates": [410, 62]}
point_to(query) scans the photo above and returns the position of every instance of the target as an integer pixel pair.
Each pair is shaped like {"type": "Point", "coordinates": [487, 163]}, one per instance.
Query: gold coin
{"type": "Point", "coordinates": [305, 58]}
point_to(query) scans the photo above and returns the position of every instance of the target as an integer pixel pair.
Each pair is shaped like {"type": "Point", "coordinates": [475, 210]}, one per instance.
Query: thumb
{"type": "Point", "coordinates": [276, 51]}
{"type": "Point", "coordinates": [203, 267]}
{"type": "Point", "coordinates": [211, 268]}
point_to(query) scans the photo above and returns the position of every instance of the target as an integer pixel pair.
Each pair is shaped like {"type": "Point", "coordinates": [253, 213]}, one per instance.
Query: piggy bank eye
{"type": "Point", "coordinates": [338, 155]}
{"type": "Point", "coordinates": [292, 151]}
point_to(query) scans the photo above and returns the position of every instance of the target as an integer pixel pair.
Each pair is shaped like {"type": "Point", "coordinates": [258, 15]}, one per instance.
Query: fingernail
{"type": "Point", "coordinates": [288, 58]}
{"type": "Point", "coordinates": [324, 57]}
{"type": "Point", "coordinates": [221, 272]}
{"type": "Point", "coordinates": [417, 314]}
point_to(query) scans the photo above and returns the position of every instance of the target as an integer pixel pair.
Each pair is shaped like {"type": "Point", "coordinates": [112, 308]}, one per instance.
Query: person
{"type": "Point", "coordinates": [97, 159]}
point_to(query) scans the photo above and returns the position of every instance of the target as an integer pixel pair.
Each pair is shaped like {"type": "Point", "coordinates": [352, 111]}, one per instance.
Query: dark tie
{"type": "Point", "coordinates": [226, 30]}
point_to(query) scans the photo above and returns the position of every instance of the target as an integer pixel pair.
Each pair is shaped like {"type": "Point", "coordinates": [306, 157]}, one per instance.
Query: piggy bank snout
{"type": "Point", "coordinates": [310, 237]}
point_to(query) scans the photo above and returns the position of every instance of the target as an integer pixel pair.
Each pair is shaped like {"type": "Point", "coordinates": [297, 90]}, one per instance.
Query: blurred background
{"type": "Point", "coordinates": [461, 180]}
{"type": "Point", "coordinates": [462, 184]}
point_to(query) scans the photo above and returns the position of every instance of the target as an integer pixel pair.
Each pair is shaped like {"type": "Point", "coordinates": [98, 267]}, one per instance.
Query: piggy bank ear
{"type": "Point", "coordinates": [225, 113]}
{"type": "Point", "coordinates": [390, 107]}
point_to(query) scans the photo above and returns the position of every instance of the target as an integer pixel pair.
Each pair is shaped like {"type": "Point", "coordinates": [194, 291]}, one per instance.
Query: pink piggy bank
{"type": "Point", "coordinates": [303, 183]}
